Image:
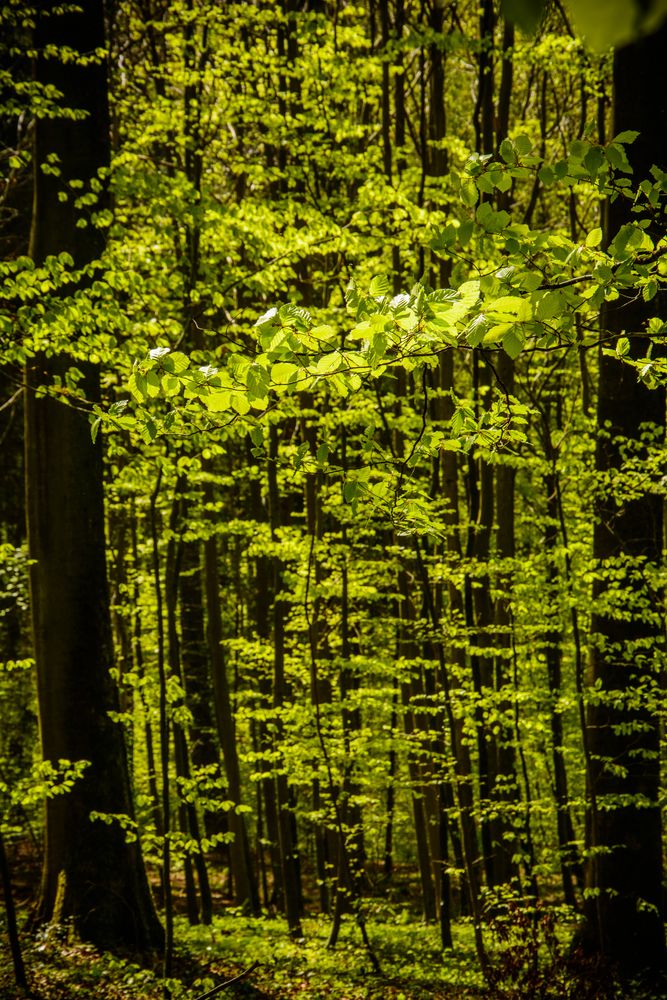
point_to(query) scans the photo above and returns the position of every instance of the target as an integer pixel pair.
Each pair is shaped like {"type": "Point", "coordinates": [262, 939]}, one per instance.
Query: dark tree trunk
{"type": "Point", "coordinates": [287, 842]}
{"type": "Point", "coordinates": [12, 926]}
{"type": "Point", "coordinates": [570, 860]}
{"type": "Point", "coordinates": [505, 792]}
{"type": "Point", "coordinates": [90, 874]}
{"type": "Point", "coordinates": [243, 875]}
{"type": "Point", "coordinates": [204, 745]}
{"type": "Point", "coordinates": [188, 817]}
{"type": "Point", "coordinates": [624, 868]}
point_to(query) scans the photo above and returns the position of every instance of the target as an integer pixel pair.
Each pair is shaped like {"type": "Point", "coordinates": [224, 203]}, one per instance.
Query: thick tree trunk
{"type": "Point", "coordinates": [624, 908]}
{"type": "Point", "coordinates": [90, 874]}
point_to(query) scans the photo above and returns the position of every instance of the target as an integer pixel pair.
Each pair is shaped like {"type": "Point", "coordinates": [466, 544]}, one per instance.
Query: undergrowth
{"type": "Point", "coordinates": [413, 966]}
{"type": "Point", "coordinates": [529, 952]}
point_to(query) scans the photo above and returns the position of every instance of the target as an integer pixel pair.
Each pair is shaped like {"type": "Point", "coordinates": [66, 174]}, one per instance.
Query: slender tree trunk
{"type": "Point", "coordinates": [388, 858]}
{"type": "Point", "coordinates": [289, 852]}
{"type": "Point", "coordinates": [409, 688]}
{"type": "Point", "coordinates": [245, 886]}
{"type": "Point", "coordinates": [12, 928]}
{"type": "Point", "coordinates": [264, 596]}
{"type": "Point", "coordinates": [138, 656]}
{"type": "Point", "coordinates": [479, 618]}
{"type": "Point", "coordinates": [505, 793]}
{"type": "Point", "coordinates": [189, 819]}
{"type": "Point", "coordinates": [204, 744]}
{"type": "Point", "coordinates": [456, 655]}
{"type": "Point", "coordinates": [571, 867]}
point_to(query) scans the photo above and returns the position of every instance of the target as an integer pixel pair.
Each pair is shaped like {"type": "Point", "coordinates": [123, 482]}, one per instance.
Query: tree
{"type": "Point", "coordinates": [91, 874]}
{"type": "Point", "coordinates": [390, 472]}
{"type": "Point", "coordinates": [624, 906]}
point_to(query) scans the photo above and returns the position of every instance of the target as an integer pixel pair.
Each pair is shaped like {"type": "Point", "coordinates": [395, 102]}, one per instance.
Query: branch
{"type": "Point", "coordinates": [229, 982]}
{"type": "Point", "coordinates": [11, 400]}
{"type": "Point", "coordinates": [565, 283]}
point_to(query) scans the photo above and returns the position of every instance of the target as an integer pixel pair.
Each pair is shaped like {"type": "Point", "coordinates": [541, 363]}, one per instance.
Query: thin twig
{"type": "Point", "coordinates": [229, 982]}
{"type": "Point", "coordinates": [11, 400]}
{"type": "Point", "coordinates": [549, 285]}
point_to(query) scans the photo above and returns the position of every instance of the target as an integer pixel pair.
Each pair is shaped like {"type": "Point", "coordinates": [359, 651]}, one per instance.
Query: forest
{"type": "Point", "coordinates": [332, 482]}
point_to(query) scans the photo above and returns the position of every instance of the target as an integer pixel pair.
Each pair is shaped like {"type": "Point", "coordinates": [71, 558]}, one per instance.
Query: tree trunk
{"type": "Point", "coordinates": [624, 908]}
{"type": "Point", "coordinates": [245, 887]}
{"type": "Point", "coordinates": [188, 817]}
{"type": "Point", "coordinates": [90, 874]}
{"type": "Point", "coordinates": [287, 842]}
{"type": "Point", "coordinates": [12, 926]}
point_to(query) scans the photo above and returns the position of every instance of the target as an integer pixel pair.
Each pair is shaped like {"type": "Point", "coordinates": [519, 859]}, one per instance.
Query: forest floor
{"type": "Point", "coordinates": [533, 963]}
{"type": "Point", "coordinates": [413, 965]}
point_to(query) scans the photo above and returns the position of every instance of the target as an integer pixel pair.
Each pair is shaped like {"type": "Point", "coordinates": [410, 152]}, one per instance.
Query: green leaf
{"type": "Point", "coordinates": [257, 435]}
{"type": "Point", "coordinates": [176, 363]}
{"type": "Point", "coordinates": [283, 373]}
{"type": "Point", "coordinates": [617, 22]}
{"type": "Point", "coordinates": [548, 305]}
{"type": "Point", "coordinates": [328, 363]}
{"type": "Point", "coordinates": [546, 174]}
{"type": "Point", "coordinates": [476, 330]}
{"type": "Point", "coordinates": [523, 144]}
{"type": "Point", "coordinates": [149, 431]}
{"type": "Point", "coordinates": [496, 334]}
{"type": "Point", "coordinates": [94, 428]}
{"type": "Point", "coordinates": [616, 156]}
{"type": "Point", "coordinates": [240, 403]}
{"type": "Point", "coordinates": [137, 386]}
{"type": "Point", "coordinates": [350, 490]}
{"type": "Point", "coordinates": [650, 290]}
{"type": "Point", "coordinates": [493, 222]}
{"type": "Point", "coordinates": [594, 238]}
{"type": "Point", "coordinates": [218, 402]}
{"type": "Point", "coordinates": [380, 286]}
{"type": "Point", "coordinates": [513, 342]}
{"type": "Point", "coordinates": [579, 148]}
{"type": "Point", "coordinates": [465, 232]}
{"type": "Point", "coordinates": [257, 381]}
{"type": "Point", "coordinates": [527, 14]}
{"type": "Point", "coordinates": [507, 151]}
{"type": "Point", "coordinates": [628, 240]}
{"type": "Point", "coordinates": [626, 137]}
{"type": "Point", "coordinates": [296, 316]}
{"type": "Point", "coordinates": [469, 192]}
{"type": "Point", "coordinates": [504, 182]}
{"type": "Point", "coordinates": [594, 159]}
{"type": "Point", "coordinates": [510, 307]}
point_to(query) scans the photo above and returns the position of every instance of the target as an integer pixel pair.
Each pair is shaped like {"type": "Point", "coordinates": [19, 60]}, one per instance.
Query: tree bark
{"type": "Point", "coordinates": [245, 885]}
{"type": "Point", "coordinates": [624, 908]}
{"type": "Point", "coordinates": [90, 874]}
